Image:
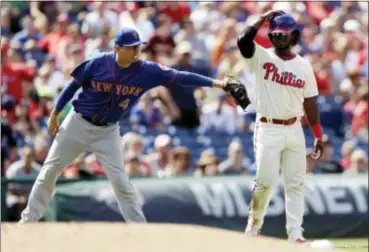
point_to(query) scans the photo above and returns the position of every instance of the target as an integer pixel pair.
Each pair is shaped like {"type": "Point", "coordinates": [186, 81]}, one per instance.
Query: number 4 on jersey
{"type": "Point", "coordinates": [124, 104]}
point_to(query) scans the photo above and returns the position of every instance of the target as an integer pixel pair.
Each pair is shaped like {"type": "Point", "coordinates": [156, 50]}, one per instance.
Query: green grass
{"type": "Point", "coordinates": [351, 245]}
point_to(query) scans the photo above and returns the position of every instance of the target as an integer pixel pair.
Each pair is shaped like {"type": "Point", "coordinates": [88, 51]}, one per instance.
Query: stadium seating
{"type": "Point", "coordinates": [197, 140]}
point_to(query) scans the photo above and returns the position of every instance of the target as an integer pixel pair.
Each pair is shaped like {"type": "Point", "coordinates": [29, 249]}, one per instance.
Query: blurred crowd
{"type": "Point", "coordinates": [42, 41]}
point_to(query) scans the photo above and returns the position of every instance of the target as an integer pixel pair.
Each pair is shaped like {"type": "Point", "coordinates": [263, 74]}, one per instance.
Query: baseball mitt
{"type": "Point", "coordinates": [238, 91]}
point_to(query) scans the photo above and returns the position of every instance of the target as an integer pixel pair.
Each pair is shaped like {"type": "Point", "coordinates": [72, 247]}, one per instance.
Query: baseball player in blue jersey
{"type": "Point", "coordinates": [111, 83]}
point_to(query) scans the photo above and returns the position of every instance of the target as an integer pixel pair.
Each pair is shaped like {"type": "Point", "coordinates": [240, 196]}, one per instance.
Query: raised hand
{"type": "Point", "coordinates": [271, 13]}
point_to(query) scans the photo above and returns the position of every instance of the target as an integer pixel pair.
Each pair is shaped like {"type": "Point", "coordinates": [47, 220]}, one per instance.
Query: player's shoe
{"type": "Point", "coordinates": [252, 231]}
{"type": "Point", "coordinates": [296, 237]}
{"type": "Point", "coordinates": [301, 241]}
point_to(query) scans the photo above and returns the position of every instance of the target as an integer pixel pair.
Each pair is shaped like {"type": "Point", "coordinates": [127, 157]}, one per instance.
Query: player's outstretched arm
{"type": "Point", "coordinates": [229, 84]}
{"type": "Point", "coordinates": [64, 97]}
{"type": "Point", "coordinates": [313, 118]}
{"type": "Point", "coordinates": [185, 78]}
{"type": "Point", "coordinates": [168, 76]}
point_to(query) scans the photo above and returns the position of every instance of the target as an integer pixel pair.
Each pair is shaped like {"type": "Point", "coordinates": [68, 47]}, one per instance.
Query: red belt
{"type": "Point", "coordinates": [279, 121]}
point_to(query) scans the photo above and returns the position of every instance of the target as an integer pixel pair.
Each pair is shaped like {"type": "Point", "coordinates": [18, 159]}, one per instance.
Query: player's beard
{"type": "Point", "coordinates": [280, 43]}
{"type": "Point", "coordinates": [280, 47]}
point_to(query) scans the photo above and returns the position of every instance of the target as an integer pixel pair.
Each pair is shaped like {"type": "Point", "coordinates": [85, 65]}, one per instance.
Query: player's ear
{"type": "Point", "coordinates": [116, 48]}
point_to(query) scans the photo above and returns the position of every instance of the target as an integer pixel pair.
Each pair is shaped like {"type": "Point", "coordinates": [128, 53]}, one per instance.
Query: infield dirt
{"type": "Point", "coordinates": [107, 237]}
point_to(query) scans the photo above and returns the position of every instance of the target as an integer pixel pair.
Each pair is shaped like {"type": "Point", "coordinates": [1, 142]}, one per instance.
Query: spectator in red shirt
{"type": "Point", "coordinates": [322, 82]}
{"type": "Point", "coordinates": [178, 12]}
{"type": "Point", "coordinates": [51, 41]}
{"type": "Point", "coordinates": [360, 114]}
{"type": "Point", "coordinates": [162, 42]}
{"type": "Point", "coordinates": [14, 76]}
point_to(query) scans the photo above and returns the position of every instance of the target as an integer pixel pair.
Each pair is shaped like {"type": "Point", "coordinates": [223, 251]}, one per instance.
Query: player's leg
{"type": "Point", "coordinates": [67, 145]}
{"type": "Point", "coordinates": [293, 165]}
{"type": "Point", "coordinates": [268, 142]}
{"type": "Point", "coordinates": [109, 152]}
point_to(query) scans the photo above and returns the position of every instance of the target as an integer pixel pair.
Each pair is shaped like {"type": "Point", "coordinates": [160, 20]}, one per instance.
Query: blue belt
{"type": "Point", "coordinates": [96, 123]}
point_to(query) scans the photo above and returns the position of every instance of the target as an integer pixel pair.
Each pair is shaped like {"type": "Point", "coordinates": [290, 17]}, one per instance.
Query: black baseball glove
{"type": "Point", "coordinates": [238, 91]}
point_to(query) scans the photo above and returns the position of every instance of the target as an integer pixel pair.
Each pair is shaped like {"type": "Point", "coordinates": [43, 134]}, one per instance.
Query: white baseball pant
{"type": "Point", "coordinates": [279, 147]}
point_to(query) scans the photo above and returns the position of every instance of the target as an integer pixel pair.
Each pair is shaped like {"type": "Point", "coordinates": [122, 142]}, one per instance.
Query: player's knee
{"type": "Point", "coordinates": [266, 182]}
{"type": "Point", "coordinates": [121, 183]}
{"type": "Point", "coordinates": [47, 179]}
{"type": "Point", "coordinates": [294, 187]}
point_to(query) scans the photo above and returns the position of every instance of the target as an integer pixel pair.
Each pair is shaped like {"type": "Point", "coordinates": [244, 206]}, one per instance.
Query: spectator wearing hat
{"type": "Point", "coordinates": [358, 163]}
{"type": "Point", "coordinates": [207, 165]}
{"type": "Point", "coordinates": [179, 163]}
{"type": "Point", "coordinates": [327, 164]}
{"type": "Point", "coordinates": [236, 163]}
{"type": "Point", "coordinates": [159, 159]}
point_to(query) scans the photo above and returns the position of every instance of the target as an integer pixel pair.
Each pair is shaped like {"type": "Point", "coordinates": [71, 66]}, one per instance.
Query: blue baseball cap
{"type": "Point", "coordinates": [128, 37]}
{"type": "Point", "coordinates": [282, 24]}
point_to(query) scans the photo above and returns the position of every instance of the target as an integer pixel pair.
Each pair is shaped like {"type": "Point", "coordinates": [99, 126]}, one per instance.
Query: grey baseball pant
{"type": "Point", "coordinates": [75, 136]}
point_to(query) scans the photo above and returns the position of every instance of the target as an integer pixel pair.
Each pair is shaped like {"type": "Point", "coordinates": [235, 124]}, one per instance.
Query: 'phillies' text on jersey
{"type": "Point", "coordinates": [284, 78]}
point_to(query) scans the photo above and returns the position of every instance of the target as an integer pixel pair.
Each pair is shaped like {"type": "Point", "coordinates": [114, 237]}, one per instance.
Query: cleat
{"type": "Point", "coordinates": [252, 232]}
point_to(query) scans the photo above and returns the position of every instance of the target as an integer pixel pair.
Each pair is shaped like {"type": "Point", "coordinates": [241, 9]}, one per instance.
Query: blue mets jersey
{"type": "Point", "coordinates": [109, 91]}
